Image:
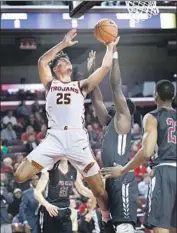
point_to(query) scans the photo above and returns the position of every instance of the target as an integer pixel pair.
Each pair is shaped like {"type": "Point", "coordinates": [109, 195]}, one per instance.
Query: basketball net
{"type": "Point", "coordinates": [141, 10]}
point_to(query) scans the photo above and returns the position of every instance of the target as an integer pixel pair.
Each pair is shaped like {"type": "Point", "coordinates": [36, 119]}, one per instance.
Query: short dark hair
{"type": "Point", "coordinates": [132, 108]}
{"type": "Point", "coordinates": [165, 90]}
{"type": "Point", "coordinates": [54, 62]}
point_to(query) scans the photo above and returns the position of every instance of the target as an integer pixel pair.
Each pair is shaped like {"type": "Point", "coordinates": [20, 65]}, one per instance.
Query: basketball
{"type": "Point", "coordinates": [106, 31]}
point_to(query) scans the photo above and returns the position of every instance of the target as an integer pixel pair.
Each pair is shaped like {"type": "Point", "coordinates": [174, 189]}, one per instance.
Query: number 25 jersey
{"type": "Point", "coordinates": [166, 135]}
{"type": "Point", "coordinates": [65, 105]}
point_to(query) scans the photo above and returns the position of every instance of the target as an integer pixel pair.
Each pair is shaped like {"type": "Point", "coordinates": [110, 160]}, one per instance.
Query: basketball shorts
{"type": "Point", "coordinates": [70, 144]}
{"type": "Point", "coordinates": [123, 195]}
{"type": "Point", "coordinates": [59, 224]}
{"type": "Point", "coordinates": [162, 199]}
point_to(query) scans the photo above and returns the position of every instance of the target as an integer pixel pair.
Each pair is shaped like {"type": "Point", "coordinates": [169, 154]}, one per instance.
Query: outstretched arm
{"type": "Point", "coordinates": [147, 150]}
{"type": "Point", "coordinates": [95, 79]}
{"type": "Point", "coordinates": [38, 194]}
{"type": "Point", "coordinates": [96, 96]}
{"type": "Point", "coordinates": [43, 62]}
{"type": "Point", "coordinates": [84, 191]}
{"type": "Point", "coordinates": [122, 118]}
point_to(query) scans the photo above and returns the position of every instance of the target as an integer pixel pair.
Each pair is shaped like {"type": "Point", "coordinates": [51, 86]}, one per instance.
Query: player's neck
{"type": "Point", "coordinates": [164, 104]}
{"type": "Point", "coordinates": [63, 166]}
{"type": "Point", "coordinates": [65, 78]}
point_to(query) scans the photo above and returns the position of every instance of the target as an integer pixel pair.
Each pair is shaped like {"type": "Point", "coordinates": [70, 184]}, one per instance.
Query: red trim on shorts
{"type": "Point", "coordinates": [34, 163]}
{"type": "Point", "coordinates": [88, 167]}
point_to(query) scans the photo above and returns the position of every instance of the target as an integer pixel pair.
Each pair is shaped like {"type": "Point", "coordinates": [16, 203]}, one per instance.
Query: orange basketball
{"type": "Point", "coordinates": [106, 31]}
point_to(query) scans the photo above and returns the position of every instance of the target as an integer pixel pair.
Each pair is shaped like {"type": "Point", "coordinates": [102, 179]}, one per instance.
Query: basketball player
{"type": "Point", "coordinates": [60, 181]}
{"type": "Point", "coordinates": [160, 130]}
{"type": "Point", "coordinates": [122, 192]}
{"type": "Point", "coordinates": [65, 109]}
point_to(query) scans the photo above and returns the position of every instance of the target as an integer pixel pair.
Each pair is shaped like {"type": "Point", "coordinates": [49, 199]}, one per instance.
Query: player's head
{"type": "Point", "coordinates": [164, 91]}
{"type": "Point", "coordinates": [130, 104]}
{"type": "Point", "coordinates": [61, 65]}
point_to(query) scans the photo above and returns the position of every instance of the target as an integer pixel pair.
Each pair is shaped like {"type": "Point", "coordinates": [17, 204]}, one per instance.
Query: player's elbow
{"type": "Point", "coordinates": [41, 61]}
{"type": "Point", "coordinates": [106, 67]}
{"type": "Point", "coordinates": [146, 154]}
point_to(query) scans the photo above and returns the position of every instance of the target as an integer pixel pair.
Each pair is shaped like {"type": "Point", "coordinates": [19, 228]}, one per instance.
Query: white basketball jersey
{"type": "Point", "coordinates": [65, 105]}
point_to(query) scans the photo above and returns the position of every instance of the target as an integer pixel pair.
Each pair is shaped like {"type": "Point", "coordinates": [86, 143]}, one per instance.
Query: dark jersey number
{"type": "Point", "coordinates": [171, 130]}
{"type": "Point", "coordinates": [63, 98]}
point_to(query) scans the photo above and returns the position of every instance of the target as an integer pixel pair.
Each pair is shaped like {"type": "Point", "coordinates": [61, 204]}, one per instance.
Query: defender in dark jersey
{"type": "Point", "coordinates": [55, 212]}
{"type": "Point", "coordinates": [122, 192]}
{"type": "Point", "coordinates": [160, 131]}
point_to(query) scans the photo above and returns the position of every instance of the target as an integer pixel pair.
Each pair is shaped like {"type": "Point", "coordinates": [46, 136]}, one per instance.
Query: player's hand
{"type": "Point", "coordinates": [68, 39]}
{"type": "Point", "coordinates": [109, 172]}
{"type": "Point", "coordinates": [52, 210]}
{"type": "Point", "coordinates": [27, 228]}
{"type": "Point", "coordinates": [91, 61]}
{"type": "Point", "coordinates": [113, 44]}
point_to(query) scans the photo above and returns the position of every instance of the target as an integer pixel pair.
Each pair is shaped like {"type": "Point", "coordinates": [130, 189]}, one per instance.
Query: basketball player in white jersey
{"type": "Point", "coordinates": [66, 136]}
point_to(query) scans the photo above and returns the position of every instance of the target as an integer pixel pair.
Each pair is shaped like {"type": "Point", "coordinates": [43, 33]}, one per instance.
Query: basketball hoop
{"type": "Point", "coordinates": [141, 10]}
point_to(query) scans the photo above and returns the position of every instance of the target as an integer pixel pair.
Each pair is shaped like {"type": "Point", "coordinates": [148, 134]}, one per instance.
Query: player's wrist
{"type": "Point", "coordinates": [115, 55]}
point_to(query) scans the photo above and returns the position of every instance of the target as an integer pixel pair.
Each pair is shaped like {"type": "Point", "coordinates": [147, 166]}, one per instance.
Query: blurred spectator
{"type": "Point", "coordinates": [90, 221]}
{"type": "Point", "coordinates": [31, 143]}
{"type": "Point", "coordinates": [143, 186]}
{"type": "Point", "coordinates": [92, 137]}
{"type": "Point", "coordinates": [3, 179]}
{"type": "Point", "coordinates": [34, 123]}
{"type": "Point", "coordinates": [35, 106]}
{"type": "Point", "coordinates": [25, 135]}
{"type": "Point", "coordinates": [135, 147]}
{"type": "Point", "coordinates": [4, 147]}
{"type": "Point", "coordinates": [28, 208]}
{"type": "Point", "coordinates": [97, 129]}
{"type": "Point", "coordinates": [141, 171]}
{"type": "Point", "coordinates": [41, 135]}
{"type": "Point", "coordinates": [9, 118]}
{"type": "Point", "coordinates": [8, 133]}
{"type": "Point", "coordinates": [136, 132]}
{"type": "Point", "coordinates": [5, 199]}
{"type": "Point", "coordinates": [39, 118]}
{"type": "Point", "coordinates": [7, 166]}
{"type": "Point", "coordinates": [23, 110]}
{"type": "Point", "coordinates": [13, 208]}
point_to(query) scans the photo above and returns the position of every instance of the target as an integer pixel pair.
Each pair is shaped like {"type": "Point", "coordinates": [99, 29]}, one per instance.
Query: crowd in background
{"type": "Point", "coordinates": [21, 131]}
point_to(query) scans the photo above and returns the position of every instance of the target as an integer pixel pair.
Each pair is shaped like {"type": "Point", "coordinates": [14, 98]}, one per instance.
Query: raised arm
{"type": "Point", "coordinates": [43, 62]}
{"type": "Point", "coordinates": [89, 84]}
{"type": "Point", "coordinates": [147, 150]}
{"type": "Point", "coordinates": [38, 194]}
{"type": "Point", "coordinates": [96, 96]}
{"type": "Point", "coordinates": [122, 118]}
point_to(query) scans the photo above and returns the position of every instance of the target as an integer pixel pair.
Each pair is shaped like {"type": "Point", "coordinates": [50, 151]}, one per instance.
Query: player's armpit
{"type": "Point", "coordinates": [89, 84]}
{"type": "Point", "coordinates": [150, 135]}
{"type": "Point", "coordinates": [99, 106]}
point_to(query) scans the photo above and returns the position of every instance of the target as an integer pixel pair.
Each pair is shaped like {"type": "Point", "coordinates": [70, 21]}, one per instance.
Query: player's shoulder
{"type": "Point", "coordinates": [149, 119]}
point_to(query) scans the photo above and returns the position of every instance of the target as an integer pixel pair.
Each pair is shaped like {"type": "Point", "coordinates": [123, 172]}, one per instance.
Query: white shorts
{"type": "Point", "coordinates": [71, 144]}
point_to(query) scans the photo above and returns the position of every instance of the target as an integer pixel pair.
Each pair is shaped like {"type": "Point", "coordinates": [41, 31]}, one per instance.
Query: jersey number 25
{"type": "Point", "coordinates": [63, 98]}
{"type": "Point", "coordinates": [171, 130]}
